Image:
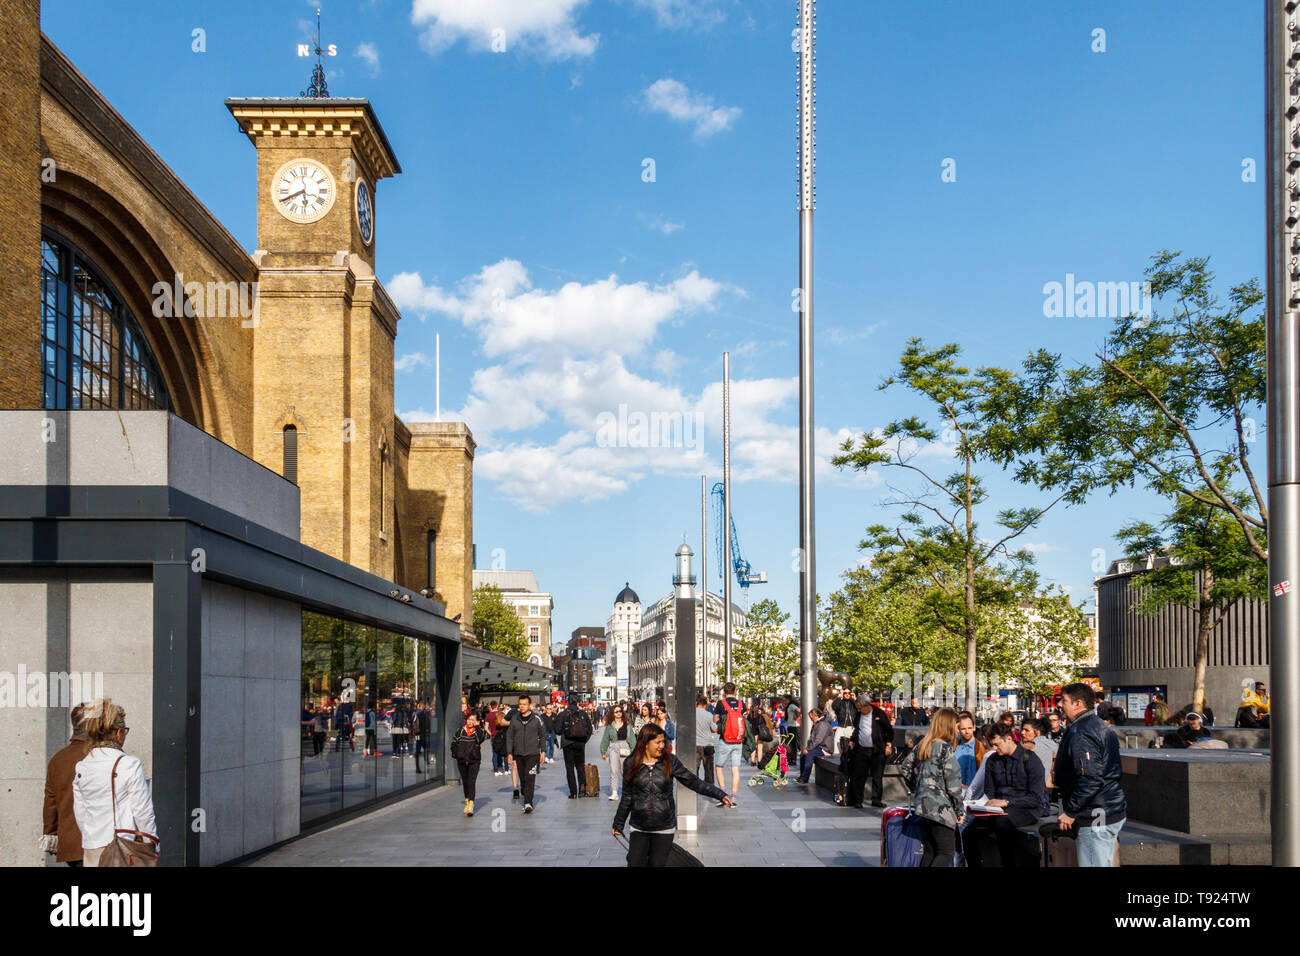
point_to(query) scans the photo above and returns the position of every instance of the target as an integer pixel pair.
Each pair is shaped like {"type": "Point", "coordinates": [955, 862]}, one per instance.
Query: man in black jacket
{"type": "Point", "coordinates": [1087, 773]}
{"type": "Point", "coordinates": [1014, 782]}
{"type": "Point", "coordinates": [912, 715]}
{"type": "Point", "coordinates": [575, 730]}
{"type": "Point", "coordinates": [871, 743]}
{"type": "Point", "coordinates": [525, 746]}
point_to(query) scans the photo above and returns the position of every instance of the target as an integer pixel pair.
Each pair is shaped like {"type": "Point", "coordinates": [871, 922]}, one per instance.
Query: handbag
{"type": "Point", "coordinates": [133, 849]}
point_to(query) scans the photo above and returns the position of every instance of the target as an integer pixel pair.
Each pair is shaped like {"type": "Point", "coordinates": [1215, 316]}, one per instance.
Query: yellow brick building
{"type": "Point", "coordinates": [303, 381]}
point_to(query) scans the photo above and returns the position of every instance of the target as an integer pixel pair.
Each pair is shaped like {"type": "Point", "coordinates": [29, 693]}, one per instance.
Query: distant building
{"type": "Point", "coordinates": [533, 606]}
{"type": "Point", "coordinates": [593, 637]}
{"type": "Point", "coordinates": [1139, 654]}
{"type": "Point", "coordinates": [653, 650]}
{"type": "Point", "coordinates": [621, 632]}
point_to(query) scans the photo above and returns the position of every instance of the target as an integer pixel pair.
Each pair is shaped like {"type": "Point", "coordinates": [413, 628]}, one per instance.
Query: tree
{"type": "Point", "coordinates": [764, 655]}
{"type": "Point", "coordinates": [1211, 567]}
{"type": "Point", "coordinates": [872, 632]}
{"type": "Point", "coordinates": [496, 626]}
{"type": "Point", "coordinates": [977, 410]}
{"type": "Point", "coordinates": [1171, 404]}
{"type": "Point", "coordinates": [1041, 644]}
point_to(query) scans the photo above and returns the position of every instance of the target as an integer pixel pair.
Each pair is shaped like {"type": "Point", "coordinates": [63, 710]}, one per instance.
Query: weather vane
{"type": "Point", "coordinates": [317, 87]}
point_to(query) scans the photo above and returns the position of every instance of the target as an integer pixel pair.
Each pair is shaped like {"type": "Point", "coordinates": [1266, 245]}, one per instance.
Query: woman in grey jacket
{"type": "Point", "coordinates": [931, 773]}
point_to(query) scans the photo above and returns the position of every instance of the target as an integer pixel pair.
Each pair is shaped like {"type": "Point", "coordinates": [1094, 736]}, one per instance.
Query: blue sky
{"type": "Point", "coordinates": [564, 284]}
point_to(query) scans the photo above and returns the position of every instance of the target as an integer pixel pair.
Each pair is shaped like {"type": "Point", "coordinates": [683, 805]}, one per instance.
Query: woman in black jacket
{"type": "Point", "coordinates": [467, 748]}
{"type": "Point", "coordinates": [648, 798]}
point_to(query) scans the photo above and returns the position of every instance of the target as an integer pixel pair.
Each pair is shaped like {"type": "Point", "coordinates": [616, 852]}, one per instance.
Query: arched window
{"type": "Point", "coordinates": [291, 453]}
{"type": "Point", "coordinates": [93, 354]}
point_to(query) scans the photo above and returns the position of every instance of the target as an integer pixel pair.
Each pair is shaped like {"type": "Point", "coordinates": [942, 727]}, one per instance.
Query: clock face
{"type": "Point", "coordinates": [303, 190]}
{"type": "Point", "coordinates": [365, 212]}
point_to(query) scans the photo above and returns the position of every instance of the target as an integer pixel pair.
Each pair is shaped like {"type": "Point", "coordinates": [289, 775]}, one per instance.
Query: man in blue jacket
{"type": "Point", "coordinates": [1087, 773]}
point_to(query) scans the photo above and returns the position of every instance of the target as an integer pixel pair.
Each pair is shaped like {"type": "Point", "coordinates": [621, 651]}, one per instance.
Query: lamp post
{"type": "Point", "coordinates": [1282, 71]}
{"type": "Point", "coordinates": [680, 696]}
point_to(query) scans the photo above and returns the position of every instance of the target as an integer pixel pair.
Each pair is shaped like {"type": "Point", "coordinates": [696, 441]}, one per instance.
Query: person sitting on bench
{"type": "Point", "coordinates": [1013, 781]}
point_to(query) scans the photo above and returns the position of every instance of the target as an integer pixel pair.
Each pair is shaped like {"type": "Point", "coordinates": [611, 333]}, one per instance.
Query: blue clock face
{"type": "Point", "coordinates": [365, 212]}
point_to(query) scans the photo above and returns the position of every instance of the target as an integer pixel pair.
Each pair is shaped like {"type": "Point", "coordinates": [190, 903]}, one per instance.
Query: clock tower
{"type": "Point", "coordinates": [324, 328]}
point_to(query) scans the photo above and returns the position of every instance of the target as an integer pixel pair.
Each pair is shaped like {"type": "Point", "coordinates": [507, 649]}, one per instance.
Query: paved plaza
{"type": "Point", "coordinates": [786, 826]}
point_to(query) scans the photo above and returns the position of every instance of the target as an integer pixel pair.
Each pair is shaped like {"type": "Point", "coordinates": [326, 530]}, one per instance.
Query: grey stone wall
{"type": "Point", "coordinates": [249, 778]}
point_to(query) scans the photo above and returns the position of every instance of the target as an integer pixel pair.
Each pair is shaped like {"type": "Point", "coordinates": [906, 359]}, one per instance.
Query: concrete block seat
{"type": "Point", "coordinates": [895, 791]}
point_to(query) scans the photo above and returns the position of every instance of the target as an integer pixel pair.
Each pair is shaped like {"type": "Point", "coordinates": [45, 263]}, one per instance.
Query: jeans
{"type": "Point", "coordinates": [616, 758]}
{"type": "Point", "coordinates": [468, 776]}
{"type": "Point", "coordinates": [705, 757]}
{"type": "Point", "coordinates": [1096, 845]}
{"type": "Point", "coordinates": [499, 762]}
{"type": "Point", "coordinates": [807, 762]}
{"type": "Point", "coordinates": [940, 844]}
{"type": "Point", "coordinates": [575, 759]}
{"type": "Point", "coordinates": [648, 849]}
{"type": "Point", "coordinates": [550, 747]}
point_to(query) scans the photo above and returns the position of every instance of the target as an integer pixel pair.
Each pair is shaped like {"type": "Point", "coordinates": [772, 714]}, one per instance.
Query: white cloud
{"type": "Point", "coordinates": [680, 14]}
{"type": "Point", "coordinates": [370, 53]}
{"type": "Point", "coordinates": [660, 224]}
{"type": "Point", "coordinates": [577, 319]}
{"type": "Point", "coordinates": [838, 336]}
{"type": "Point", "coordinates": [545, 27]}
{"type": "Point", "coordinates": [407, 362]}
{"type": "Point", "coordinates": [676, 100]}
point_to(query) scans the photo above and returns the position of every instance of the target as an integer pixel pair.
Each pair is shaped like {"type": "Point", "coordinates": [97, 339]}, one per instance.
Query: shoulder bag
{"type": "Point", "coordinates": [129, 847]}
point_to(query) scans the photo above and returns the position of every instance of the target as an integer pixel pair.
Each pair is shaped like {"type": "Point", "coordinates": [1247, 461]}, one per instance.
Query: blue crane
{"type": "Point", "coordinates": [745, 574]}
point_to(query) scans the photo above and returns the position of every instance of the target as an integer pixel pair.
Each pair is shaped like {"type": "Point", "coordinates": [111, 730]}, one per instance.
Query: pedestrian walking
{"type": "Point", "coordinates": [639, 719]}
{"type": "Point", "coordinates": [575, 731]}
{"type": "Point", "coordinates": [467, 748]}
{"type": "Point", "coordinates": [1087, 773]}
{"type": "Point", "coordinates": [819, 743]}
{"type": "Point", "coordinates": [548, 719]}
{"type": "Point", "coordinates": [760, 723]}
{"type": "Point", "coordinates": [930, 771]}
{"type": "Point", "coordinates": [421, 725]}
{"type": "Point", "coordinates": [60, 834]}
{"type": "Point", "coordinates": [871, 742]}
{"type": "Point", "coordinates": [732, 733]}
{"type": "Point", "coordinates": [109, 789]}
{"type": "Point", "coordinates": [497, 727]}
{"type": "Point", "coordinates": [526, 746]}
{"type": "Point", "coordinates": [706, 736]}
{"type": "Point", "coordinates": [615, 747]}
{"type": "Point", "coordinates": [372, 741]}
{"type": "Point", "coordinates": [648, 803]}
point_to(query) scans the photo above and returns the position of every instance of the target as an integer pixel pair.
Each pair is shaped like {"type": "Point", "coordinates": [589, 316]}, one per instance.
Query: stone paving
{"type": "Point", "coordinates": [785, 826]}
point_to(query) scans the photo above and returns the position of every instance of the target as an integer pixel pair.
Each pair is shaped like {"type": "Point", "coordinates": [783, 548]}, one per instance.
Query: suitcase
{"type": "Point", "coordinates": [680, 856]}
{"type": "Point", "coordinates": [591, 782]}
{"type": "Point", "coordinates": [901, 841]}
{"type": "Point", "coordinates": [1059, 851]}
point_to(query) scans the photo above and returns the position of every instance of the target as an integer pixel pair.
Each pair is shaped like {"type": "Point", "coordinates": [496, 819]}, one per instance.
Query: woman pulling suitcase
{"type": "Point", "coordinates": [931, 773]}
{"type": "Point", "coordinates": [648, 800]}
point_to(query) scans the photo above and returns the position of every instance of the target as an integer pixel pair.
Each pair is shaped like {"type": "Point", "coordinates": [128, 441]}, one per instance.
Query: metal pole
{"type": "Point", "coordinates": [726, 516]}
{"type": "Point", "coordinates": [807, 202]}
{"type": "Point", "coordinates": [680, 694]}
{"type": "Point", "coordinates": [704, 586]}
{"type": "Point", "coordinates": [1282, 37]}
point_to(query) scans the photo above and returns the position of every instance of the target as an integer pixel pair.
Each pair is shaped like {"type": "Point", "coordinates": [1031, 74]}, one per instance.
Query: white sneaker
{"type": "Point", "coordinates": [613, 796]}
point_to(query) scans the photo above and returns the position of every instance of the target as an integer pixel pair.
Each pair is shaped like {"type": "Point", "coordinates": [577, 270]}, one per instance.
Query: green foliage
{"type": "Point", "coordinates": [1172, 403]}
{"type": "Point", "coordinates": [1041, 645]}
{"type": "Point", "coordinates": [765, 654]}
{"type": "Point", "coordinates": [968, 583]}
{"type": "Point", "coordinates": [496, 626]}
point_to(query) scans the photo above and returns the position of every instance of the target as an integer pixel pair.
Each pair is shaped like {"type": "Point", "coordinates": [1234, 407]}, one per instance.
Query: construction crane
{"type": "Point", "coordinates": [745, 574]}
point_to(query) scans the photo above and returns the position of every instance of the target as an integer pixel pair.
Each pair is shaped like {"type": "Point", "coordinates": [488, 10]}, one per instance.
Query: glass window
{"type": "Point", "coordinates": [93, 354]}
{"type": "Point", "coordinates": [371, 718]}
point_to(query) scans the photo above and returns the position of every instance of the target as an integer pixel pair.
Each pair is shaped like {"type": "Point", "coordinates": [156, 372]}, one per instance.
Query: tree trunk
{"type": "Point", "coordinates": [970, 595]}
{"type": "Point", "coordinates": [1205, 622]}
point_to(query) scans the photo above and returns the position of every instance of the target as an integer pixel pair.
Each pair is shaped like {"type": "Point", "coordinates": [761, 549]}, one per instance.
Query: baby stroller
{"type": "Point", "coordinates": [775, 766]}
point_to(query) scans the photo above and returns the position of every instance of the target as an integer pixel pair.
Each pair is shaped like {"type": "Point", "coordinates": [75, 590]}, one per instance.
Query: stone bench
{"type": "Point", "coordinates": [895, 792]}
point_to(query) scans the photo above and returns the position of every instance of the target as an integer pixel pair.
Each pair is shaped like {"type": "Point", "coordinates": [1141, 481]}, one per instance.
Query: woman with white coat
{"type": "Point", "coordinates": [94, 785]}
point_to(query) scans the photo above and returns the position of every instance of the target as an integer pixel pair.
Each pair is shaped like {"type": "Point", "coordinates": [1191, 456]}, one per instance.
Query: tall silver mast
{"type": "Point", "coordinates": [807, 202]}
{"type": "Point", "coordinates": [1282, 41]}
{"type": "Point", "coordinates": [726, 515]}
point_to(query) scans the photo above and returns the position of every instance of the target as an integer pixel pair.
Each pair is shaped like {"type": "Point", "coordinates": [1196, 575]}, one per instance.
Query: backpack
{"type": "Point", "coordinates": [764, 728]}
{"type": "Point", "coordinates": [578, 728]}
{"type": "Point", "coordinates": [733, 731]}
{"type": "Point", "coordinates": [465, 746]}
